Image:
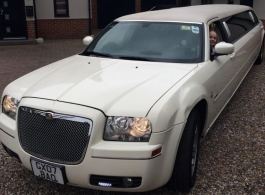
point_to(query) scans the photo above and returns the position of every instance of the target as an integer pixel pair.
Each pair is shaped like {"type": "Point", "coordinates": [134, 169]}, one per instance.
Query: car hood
{"type": "Point", "coordinates": [120, 87]}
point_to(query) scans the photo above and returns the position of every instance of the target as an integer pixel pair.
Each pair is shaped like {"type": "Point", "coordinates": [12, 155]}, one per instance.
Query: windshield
{"type": "Point", "coordinates": [149, 41]}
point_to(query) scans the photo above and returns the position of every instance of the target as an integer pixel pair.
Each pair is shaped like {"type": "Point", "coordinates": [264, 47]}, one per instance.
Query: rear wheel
{"type": "Point", "coordinates": [260, 56]}
{"type": "Point", "coordinates": [185, 169]}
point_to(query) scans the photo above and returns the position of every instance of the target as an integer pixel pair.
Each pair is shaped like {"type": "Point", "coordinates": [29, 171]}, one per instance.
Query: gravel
{"type": "Point", "coordinates": [231, 157]}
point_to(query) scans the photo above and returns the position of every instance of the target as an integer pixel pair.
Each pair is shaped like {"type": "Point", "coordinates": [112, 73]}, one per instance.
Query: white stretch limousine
{"type": "Point", "coordinates": [128, 113]}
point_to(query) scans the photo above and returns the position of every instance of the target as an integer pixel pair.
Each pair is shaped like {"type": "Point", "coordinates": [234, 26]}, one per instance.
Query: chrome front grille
{"type": "Point", "coordinates": [52, 136]}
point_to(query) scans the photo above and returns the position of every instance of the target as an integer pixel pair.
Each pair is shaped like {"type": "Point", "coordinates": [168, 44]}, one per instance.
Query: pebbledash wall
{"type": "Point", "coordinates": [77, 24]}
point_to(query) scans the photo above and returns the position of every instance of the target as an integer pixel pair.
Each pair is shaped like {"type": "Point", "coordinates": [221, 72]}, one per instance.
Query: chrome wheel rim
{"type": "Point", "coordinates": [194, 150]}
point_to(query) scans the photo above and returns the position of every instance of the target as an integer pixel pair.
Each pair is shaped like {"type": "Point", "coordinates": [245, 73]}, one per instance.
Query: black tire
{"type": "Point", "coordinates": [185, 168]}
{"type": "Point", "coordinates": [260, 56]}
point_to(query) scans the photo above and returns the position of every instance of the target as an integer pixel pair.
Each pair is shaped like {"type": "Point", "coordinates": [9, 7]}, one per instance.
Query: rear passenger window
{"type": "Point", "coordinates": [240, 24]}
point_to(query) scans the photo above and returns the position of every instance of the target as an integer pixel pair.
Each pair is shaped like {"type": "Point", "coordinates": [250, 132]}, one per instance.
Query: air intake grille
{"type": "Point", "coordinates": [61, 139]}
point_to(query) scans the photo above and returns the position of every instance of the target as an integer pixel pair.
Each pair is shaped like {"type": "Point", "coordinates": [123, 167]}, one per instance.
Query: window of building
{"type": "Point", "coordinates": [61, 8]}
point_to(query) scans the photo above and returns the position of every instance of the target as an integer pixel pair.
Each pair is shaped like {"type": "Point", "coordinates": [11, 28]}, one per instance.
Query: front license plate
{"type": "Point", "coordinates": [48, 171]}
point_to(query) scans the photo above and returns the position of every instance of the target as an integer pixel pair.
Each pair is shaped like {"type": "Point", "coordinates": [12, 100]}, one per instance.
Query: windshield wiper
{"type": "Point", "coordinates": [135, 58]}
{"type": "Point", "coordinates": [99, 54]}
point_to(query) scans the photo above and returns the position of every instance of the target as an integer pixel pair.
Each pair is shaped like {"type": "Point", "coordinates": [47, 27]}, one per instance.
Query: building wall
{"type": "Point", "coordinates": [29, 3]}
{"type": "Point", "coordinates": [225, 2]}
{"type": "Point", "coordinates": [94, 13]}
{"type": "Point", "coordinates": [31, 29]}
{"type": "Point", "coordinates": [137, 6]}
{"type": "Point", "coordinates": [258, 6]}
{"type": "Point", "coordinates": [63, 29]}
{"type": "Point", "coordinates": [77, 24]}
{"type": "Point", "coordinates": [220, 1]}
{"type": "Point", "coordinates": [30, 22]}
{"type": "Point", "coordinates": [74, 26]}
{"type": "Point", "coordinates": [195, 2]}
{"type": "Point", "coordinates": [78, 9]}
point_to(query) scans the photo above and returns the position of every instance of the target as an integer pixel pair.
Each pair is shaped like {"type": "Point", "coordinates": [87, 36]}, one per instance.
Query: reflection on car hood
{"type": "Point", "coordinates": [113, 86]}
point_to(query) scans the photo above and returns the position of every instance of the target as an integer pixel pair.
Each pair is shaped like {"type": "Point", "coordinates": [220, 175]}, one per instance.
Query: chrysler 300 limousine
{"type": "Point", "coordinates": [128, 113]}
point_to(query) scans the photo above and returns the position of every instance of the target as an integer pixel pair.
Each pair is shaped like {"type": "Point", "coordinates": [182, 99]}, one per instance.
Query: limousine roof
{"type": "Point", "coordinates": [198, 13]}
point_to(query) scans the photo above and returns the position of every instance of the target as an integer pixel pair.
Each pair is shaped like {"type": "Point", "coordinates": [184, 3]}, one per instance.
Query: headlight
{"type": "Point", "coordinates": [129, 129]}
{"type": "Point", "coordinates": [10, 106]}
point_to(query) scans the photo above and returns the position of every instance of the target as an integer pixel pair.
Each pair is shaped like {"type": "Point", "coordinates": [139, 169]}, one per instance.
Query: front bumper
{"type": "Point", "coordinates": [105, 158]}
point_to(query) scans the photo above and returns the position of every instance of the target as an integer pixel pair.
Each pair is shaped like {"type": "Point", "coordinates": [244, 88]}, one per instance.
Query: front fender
{"type": "Point", "coordinates": [175, 106]}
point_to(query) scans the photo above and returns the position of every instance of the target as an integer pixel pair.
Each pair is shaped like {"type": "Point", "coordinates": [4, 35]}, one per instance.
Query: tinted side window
{"type": "Point", "coordinates": [239, 24]}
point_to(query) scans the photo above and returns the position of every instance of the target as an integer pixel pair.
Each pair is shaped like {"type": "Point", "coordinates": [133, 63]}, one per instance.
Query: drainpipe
{"type": "Point", "coordinates": [89, 18]}
{"type": "Point", "coordinates": [36, 23]}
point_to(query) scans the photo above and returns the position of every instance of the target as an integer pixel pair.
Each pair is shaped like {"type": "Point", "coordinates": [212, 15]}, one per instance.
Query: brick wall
{"type": "Point", "coordinates": [70, 28]}
{"type": "Point", "coordinates": [137, 6]}
{"type": "Point", "coordinates": [94, 14]}
{"type": "Point", "coordinates": [31, 29]}
{"type": "Point", "coordinates": [63, 28]}
{"type": "Point", "coordinates": [95, 11]}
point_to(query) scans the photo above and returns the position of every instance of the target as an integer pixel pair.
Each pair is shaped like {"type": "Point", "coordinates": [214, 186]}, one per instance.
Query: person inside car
{"type": "Point", "coordinates": [214, 39]}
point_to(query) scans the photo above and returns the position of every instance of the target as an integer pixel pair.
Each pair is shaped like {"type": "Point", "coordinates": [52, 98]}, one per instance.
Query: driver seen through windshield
{"type": "Point", "coordinates": [149, 41]}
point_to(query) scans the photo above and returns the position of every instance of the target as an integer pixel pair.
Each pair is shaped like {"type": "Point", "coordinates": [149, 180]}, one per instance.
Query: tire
{"type": "Point", "coordinates": [260, 56]}
{"type": "Point", "coordinates": [185, 168]}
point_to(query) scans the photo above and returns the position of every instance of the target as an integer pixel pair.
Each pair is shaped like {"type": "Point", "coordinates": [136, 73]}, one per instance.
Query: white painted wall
{"type": "Point", "coordinates": [78, 9]}
{"type": "Point", "coordinates": [258, 6]}
{"type": "Point", "coordinates": [29, 3]}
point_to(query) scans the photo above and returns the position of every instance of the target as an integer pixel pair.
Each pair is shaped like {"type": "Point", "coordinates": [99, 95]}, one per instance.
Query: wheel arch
{"type": "Point", "coordinates": [202, 107]}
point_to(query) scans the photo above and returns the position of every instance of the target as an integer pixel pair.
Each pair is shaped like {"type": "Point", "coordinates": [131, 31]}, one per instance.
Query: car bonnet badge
{"type": "Point", "coordinates": [49, 115]}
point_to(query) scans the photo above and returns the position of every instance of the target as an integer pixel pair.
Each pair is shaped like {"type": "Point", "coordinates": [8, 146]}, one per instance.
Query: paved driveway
{"type": "Point", "coordinates": [232, 158]}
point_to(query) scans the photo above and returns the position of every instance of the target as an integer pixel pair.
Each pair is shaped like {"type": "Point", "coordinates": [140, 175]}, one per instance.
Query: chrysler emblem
{"type": "Point", "coordinates": [49, 116]}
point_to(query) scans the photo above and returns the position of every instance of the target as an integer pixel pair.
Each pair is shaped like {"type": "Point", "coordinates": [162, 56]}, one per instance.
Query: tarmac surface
{"type": "Point", "coordinates": [232, 156]}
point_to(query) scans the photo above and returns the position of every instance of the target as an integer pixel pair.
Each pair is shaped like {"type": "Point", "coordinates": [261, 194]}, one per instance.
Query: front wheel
{"type": "Point", "coordinates": [185, 168]}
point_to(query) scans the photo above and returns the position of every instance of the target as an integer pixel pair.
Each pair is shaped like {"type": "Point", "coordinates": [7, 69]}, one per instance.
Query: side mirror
{"type": "Point", "coordinates": [87, 40]}
{"type": "Point", "coordinates": [224, 48]}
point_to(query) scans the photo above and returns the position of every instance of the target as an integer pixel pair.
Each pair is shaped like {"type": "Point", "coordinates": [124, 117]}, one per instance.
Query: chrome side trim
{"type": "Point", "coordinates": [227, 29]}
{"type": "Point", "coordinates": [251, 16]}
{"type": "Point", "coordinates": [128, 158]}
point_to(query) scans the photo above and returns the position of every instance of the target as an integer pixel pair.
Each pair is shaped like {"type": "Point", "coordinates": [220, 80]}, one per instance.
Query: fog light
{"type": "Point", "coordinates": [127, 182]}
{"type": "Point", "coordinates": [103, 184]}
